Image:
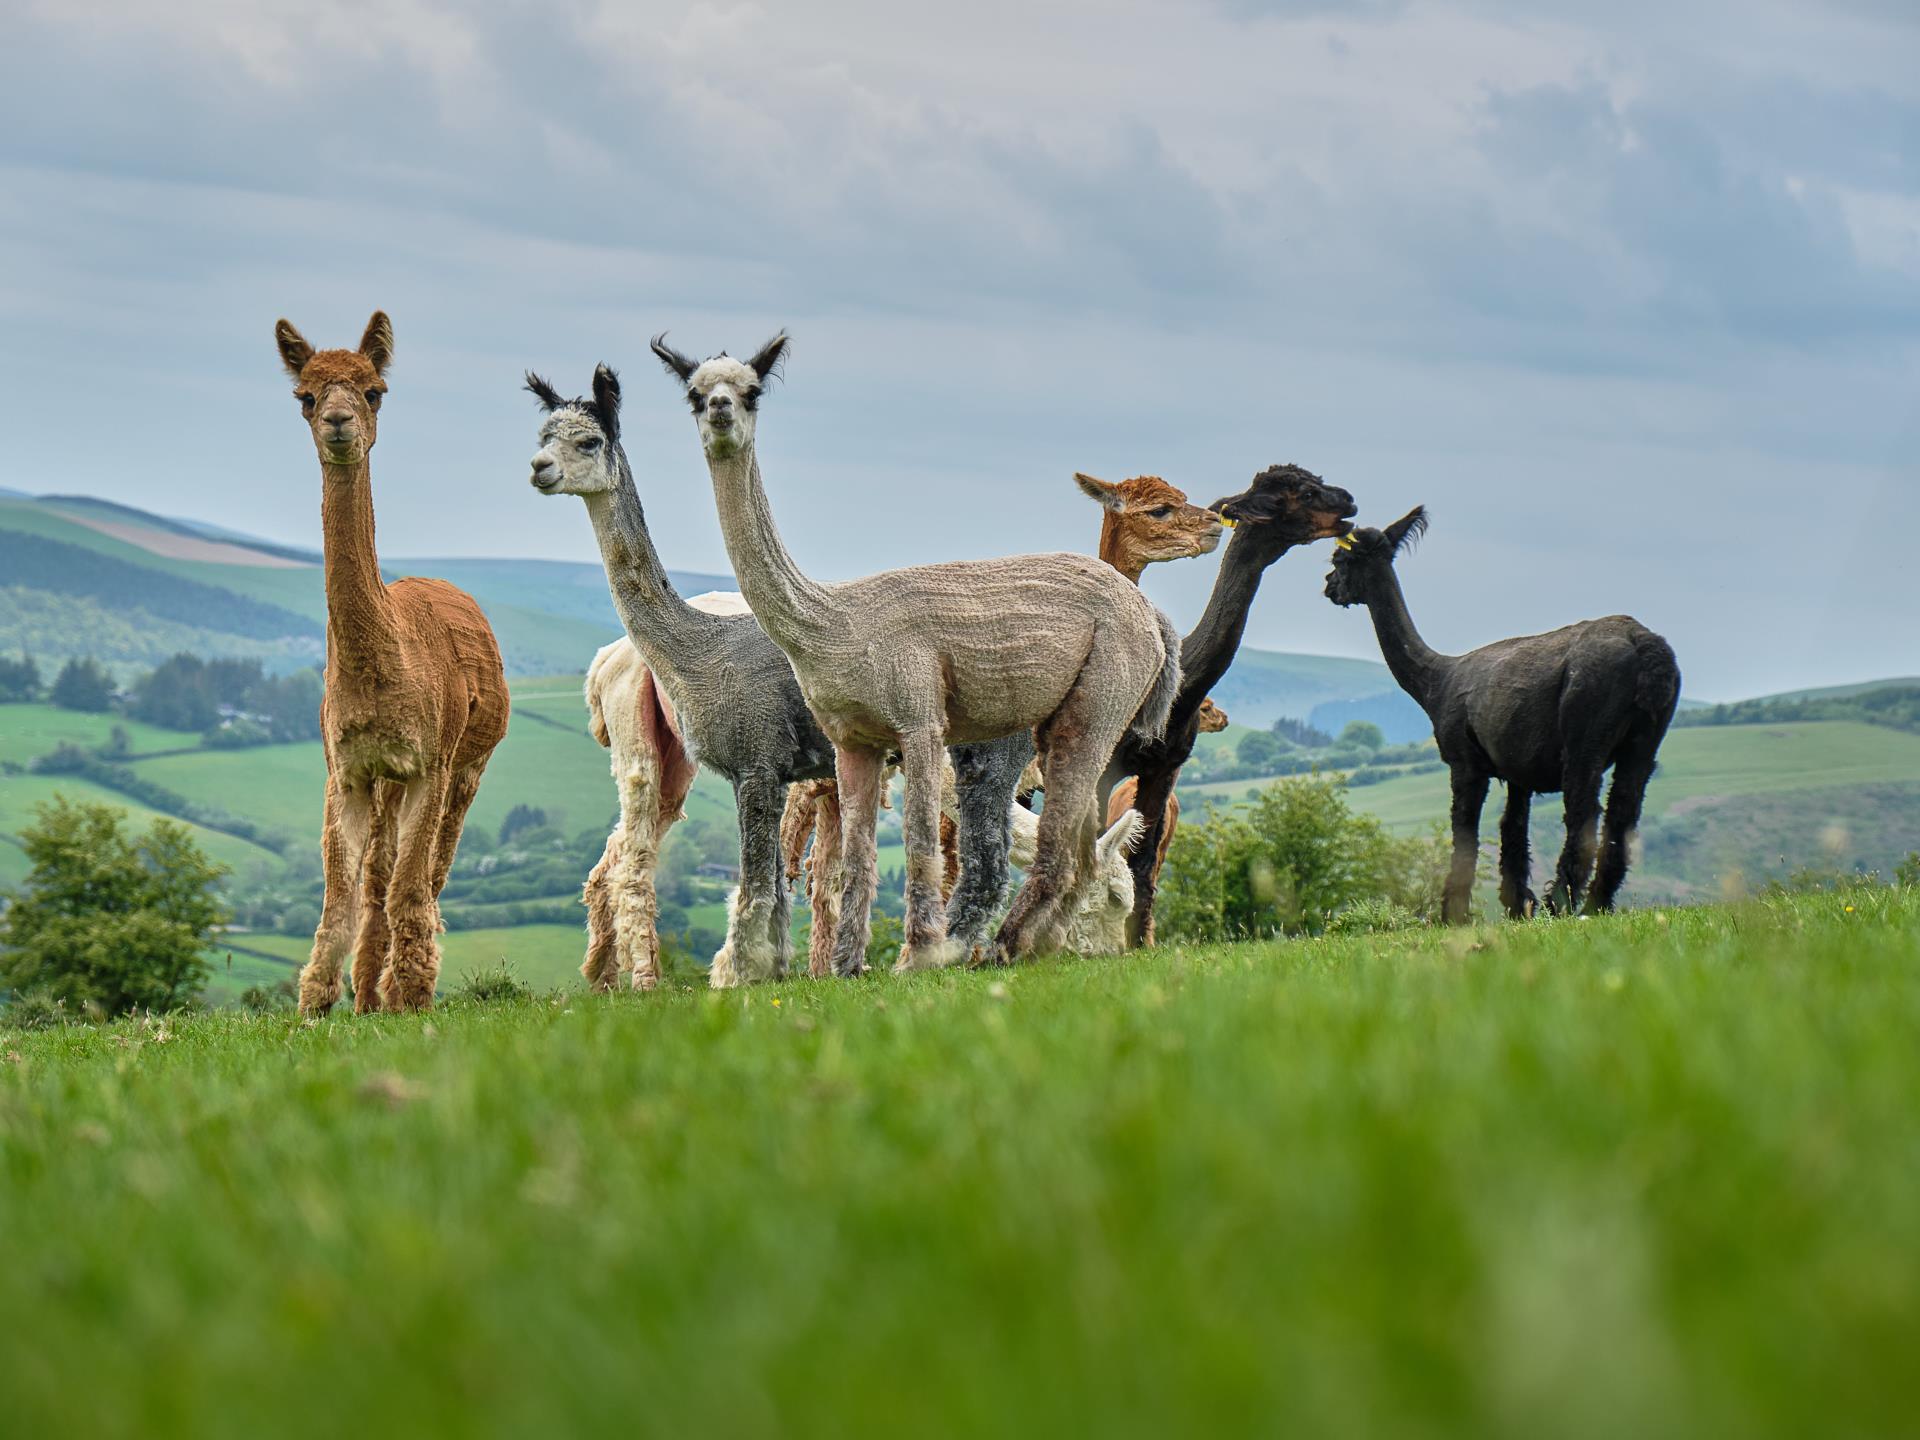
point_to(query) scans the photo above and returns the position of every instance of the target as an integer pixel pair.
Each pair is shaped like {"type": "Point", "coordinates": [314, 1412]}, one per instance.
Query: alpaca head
{"type": "Point", "coordinates": [1365, 557]}
{"type": "Point", "coordinates": [339, 390]}
{"type": "Point", "coordinates": [1212, 718]}
{"type": "Point", "coordinates": [1100, 928]}
{"type": "Point", "coordinates": [1148, 521]}
{"type": "Point", "coordinates": [724, 392]}
{"type": "Point", "coordinates": [1285, 506]}
{"type": "Point", "coordinates": [579, 450]}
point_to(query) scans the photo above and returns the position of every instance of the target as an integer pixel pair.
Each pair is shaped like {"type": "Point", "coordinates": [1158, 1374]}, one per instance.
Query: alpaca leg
{"type": "Point", "coordinates": [602, 965]}
{"type": "Point", "coordinates": [343, 841]}
{"type": "Point", "coordinates": [460, 795]}
{"type": "Point", "coordinates": [1469, 798]}
{"type": "Point", "coordinates": [1576, 857]}
{"type": "Point", "coordinates": [926, 946]}
{"type": "Point", "coordinates": [985, 777]}
{"type": "Point", "coordinates": [753, 950]}
{"type": "Point", "coordinates": [826, 878]}
{"type": "Point", "coordinates": [1516, 854]}
{"type": "Point", "coordinates": [1073, 753]}
{"type": "Point", "coordinates": [1153, 797]}
{"type": "Point", "coordinates": [859, 774]}
{"type": "Point", "coordinates": [1624, 799]}
{"type": "Point", "coordinates": [372, 946]}
{"type": "Point", "coordinates": [636, 906]}
{"type": "Point", "coordinates": [413, 970]}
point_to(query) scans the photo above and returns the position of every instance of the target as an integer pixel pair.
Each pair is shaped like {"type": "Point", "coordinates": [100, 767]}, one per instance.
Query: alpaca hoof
{"type": "Point", "coordinates": [850, 972]}
{"type": "Point", "coordinates": [994, 956]}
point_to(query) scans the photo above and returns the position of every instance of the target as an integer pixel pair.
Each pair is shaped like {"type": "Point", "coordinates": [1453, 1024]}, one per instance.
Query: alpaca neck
{"type": "Point", "coordinates": [1210, 647]}
{"type": "Point", "coordinates": [1415, 665]}
{"type": "Point", "coordinates": [789, 606]}
{"type": "Point", "coordinates": [360, 629]}
{"type": "Point", "coordinates": [670, 634]}
{"type": "Point", "coordinates": [1114, 550]}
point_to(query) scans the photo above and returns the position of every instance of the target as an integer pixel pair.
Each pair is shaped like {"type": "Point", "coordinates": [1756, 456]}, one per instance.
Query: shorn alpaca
{"type": "Point", "coordinates": [652, 772]}
{"type": "Point", "coordinates": [732, 692]}
{"type": "Point", "coordinates": [911, 659]}
{"type": "Point", "coordinates": [1144, 521]}
{"type": "Point", "coordinates": [1285, 506]}
{"type": "Point", "coordinates": [1544, 713]}
{"type": "Point", "coordinates": [415, 703]}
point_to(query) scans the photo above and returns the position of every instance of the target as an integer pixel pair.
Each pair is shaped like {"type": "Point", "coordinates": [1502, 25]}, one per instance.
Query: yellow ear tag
{"type": "Point", "coordinates": [1225, 523]}
{"type": "Point", "coordinates": [1344, 542]}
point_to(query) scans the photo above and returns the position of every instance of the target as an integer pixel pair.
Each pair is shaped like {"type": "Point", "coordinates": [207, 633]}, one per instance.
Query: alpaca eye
{"type": "Point", "coordinates": [1160, 512]}
{"type": "Point", "coordinates": [306, 402]}
{"type": "Point", "coordinates": [588, 444]}
{"type": "Point", "coordinates": [373, 399]}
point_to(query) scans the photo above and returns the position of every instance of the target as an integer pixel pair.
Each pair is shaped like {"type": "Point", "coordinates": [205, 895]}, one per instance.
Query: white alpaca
{"type": "Point", "coordinates": [653, 772]}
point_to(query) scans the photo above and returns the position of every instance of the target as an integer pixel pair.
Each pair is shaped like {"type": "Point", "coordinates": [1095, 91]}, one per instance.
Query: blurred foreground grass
{"type": "Point", "coordinates": [1657, 1174]}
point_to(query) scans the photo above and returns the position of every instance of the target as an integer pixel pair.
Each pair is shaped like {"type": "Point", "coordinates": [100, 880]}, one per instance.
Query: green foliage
{"type": "Point", "coordinates": [189, 693]}
{"type": "Point", "coordinates": [1907, 872]}
{"type": "Point", "coordinates": [1287, 864]}
{"type": "Point", "coordinates": [83, 684]}
{"type": "Point", "coordinates": [1299, 732]}
{"type": "Point", "coordinates": [109, 919]}
{"type": "Point", "coordinates": [1256, 749]}
{"type": "Point", "coordinates": [267, 999]}
{"type": "Point", "coordinates": [521, 818]}
{"type": "Point", "coordinates": [491, 987]}
{"type": "Point", "coordinates": [70, 759]}
{"type": "Point", "coordinates": [1376, 916]}
{"type": "Point", "coordinates": [19, 679]}
{"type": "Point", "coordinates": [1364, 734]}
{"type": "Point", "coordinates": [1895, 706]}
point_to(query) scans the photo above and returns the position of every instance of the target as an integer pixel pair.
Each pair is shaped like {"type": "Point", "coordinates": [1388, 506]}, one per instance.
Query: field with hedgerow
{"type": "Point", "coordinates": [1651, 1174]}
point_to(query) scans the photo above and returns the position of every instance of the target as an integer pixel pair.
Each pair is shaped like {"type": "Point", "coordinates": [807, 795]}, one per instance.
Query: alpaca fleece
{"type": "Point", "coordinates": [415, 702]}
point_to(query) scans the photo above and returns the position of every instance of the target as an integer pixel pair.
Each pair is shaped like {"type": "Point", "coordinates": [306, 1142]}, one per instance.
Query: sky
{"type": "Point", "coordinates": [1632, 304]}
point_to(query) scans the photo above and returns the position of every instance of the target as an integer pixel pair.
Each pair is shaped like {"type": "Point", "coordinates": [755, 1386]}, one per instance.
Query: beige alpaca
{"type": "Point", "coordinates": [914, 659]}
{"type": "Point", "coordinates": [629, 713]}
{"type": "Point", "coordinates": [415, 703]}
{"type": "Point", "coordinates": [652, 772]}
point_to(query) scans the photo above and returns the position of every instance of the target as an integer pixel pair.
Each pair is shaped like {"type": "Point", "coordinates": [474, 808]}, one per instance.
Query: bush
{"type": "Point", "coordinates": [19, 679]}
{"type": "Point", "coordinates": [491, 987]}
{"type": "Point", "coordinates": [265, 999]}
{"type": "Point", "coordinates": [1363, 734]}
{"type": "Point", "coordinates": [1373, 917]}
{"type": "Point", "coordinates": [107, 918]}
{"type": "Point", "coordinates": [36, 1010]}
{"type": "Point", "coordinates": [1288, 863]}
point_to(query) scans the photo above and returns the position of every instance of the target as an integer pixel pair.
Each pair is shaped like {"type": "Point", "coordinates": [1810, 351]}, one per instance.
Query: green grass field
{"type": "Point", "coordinates": [1647, 1175]}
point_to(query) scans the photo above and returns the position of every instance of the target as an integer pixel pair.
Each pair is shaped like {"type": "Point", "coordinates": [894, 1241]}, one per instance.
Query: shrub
{"type": "Point", "coordinates": [83, 685]}
{"type": "Point", "coordinates": [491, 987]}
{"type": "Point", "coordinates": [1289, 862]}
{"type": "Point", "coordinates": [36, 1010]}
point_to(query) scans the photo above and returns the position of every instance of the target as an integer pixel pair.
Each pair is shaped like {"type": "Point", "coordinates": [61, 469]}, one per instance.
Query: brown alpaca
{"type": "Point", "coordinates": [1212, 721]}
{"type": "Point", "coordinates": [415, 702]}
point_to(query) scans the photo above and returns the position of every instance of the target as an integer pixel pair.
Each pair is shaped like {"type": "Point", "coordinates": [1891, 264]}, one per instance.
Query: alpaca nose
{"type": "Point", "coordinates": [336, 419]}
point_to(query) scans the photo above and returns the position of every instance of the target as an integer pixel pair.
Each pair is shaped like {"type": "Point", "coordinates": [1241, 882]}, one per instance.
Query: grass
{"type": "Point", "coordinates": [1647, 1175]}
{"type": "Point", "coordinates": [547, 956]}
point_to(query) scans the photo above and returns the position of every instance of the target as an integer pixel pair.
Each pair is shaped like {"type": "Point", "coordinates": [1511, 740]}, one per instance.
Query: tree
{"type": "Point", "coordinates": [1299, 732]}
{"type": "Point", "coordinates": [1363, 733]}
{"type": "Point", "coordinates": [519, 818]}
{"type": "Point", "coordinates": [83, 685]}
{"type": "Point", "coordinates": [107, 918]}
{"type": "Point", "coordinates": [19, 679]}
{"type": "Point", "coordinates": [1257, 749]}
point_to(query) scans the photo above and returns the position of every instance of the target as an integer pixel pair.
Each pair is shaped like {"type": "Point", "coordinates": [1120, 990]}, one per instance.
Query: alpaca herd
{"type": "Point", "coordinates": [981, 681]}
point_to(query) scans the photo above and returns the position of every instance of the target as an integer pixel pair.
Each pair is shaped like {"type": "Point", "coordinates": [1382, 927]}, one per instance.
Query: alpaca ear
{"type": "Point", "coordinates": [606, 396]}
{"type": "Point", "coordinates": [294, 349]}
{"type": "Point", "coordinates": [1407, 529]}
{"type": "Point", "coordinates": [548, 397]}
{"type": "Point", "coordinates": [377, 343]}
{"type": "Point", "coordinates": [1121, 836]}
{"type": "Point", "coordinates": [676, 363]}
{"type": "Point", "coordinates": [766, 360]}
{"type": "Point", "coordinates": [1107, 495]}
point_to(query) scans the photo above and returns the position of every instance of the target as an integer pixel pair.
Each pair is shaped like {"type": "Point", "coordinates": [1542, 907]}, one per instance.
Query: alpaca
{"type": "Point", "coordinates": [911, 659]}
{"type": "Point", "coordinates": [730, 689]}
{"type": "Point", "coordinates": [415, 702]}
{"type": "Point", "coordinates": [1211, 721]}
{"type": "Point", "coordinates": [1144, 521]}
{"type": "Point", "coordinates": [1543, 713]}
{"type": "Point", "coordinates": [652, 771]}
{"type": "Point", "coordinates": [1285, 506]}
{"type": "Point", "coordinates": [810, 846]}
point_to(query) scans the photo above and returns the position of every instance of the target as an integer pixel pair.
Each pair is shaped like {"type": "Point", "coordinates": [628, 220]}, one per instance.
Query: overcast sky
{"type": "Point", "coordinates": [1633, 305]}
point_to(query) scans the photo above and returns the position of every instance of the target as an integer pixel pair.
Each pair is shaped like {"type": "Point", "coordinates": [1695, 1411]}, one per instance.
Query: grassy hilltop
{"type": "Point", "coordinates": [1649, 1175]}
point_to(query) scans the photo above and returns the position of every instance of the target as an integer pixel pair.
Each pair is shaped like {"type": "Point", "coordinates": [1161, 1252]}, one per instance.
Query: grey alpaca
{"type": "Point", "coordinates": [966, 651]}
{"type": "Point", "coordinates": [1544, 713]}
{"type": "Point", "coordinates": [739, 709]}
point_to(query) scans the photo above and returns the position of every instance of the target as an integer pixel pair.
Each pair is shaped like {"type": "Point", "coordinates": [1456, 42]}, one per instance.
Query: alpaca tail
{"type": "Point", "coordinates": [1150, 723]}
{"type": "Point", "coordinates": [1658, 691]}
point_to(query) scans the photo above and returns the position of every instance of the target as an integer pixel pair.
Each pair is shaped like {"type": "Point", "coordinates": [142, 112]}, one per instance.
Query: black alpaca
{"type": "Point", "coordinates": [1544, 713]}
{"type": "Point", "coordinates": [1285, 506]}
